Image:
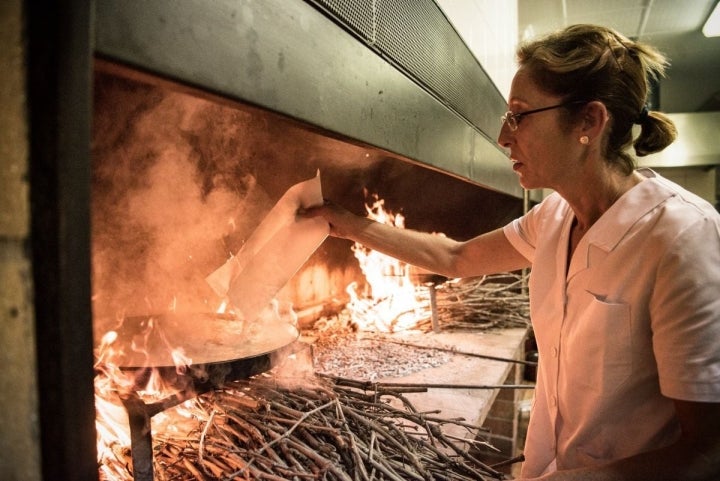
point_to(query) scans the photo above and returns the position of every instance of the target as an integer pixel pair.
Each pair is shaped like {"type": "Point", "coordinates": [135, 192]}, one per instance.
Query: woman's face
{"type": "Point", "coordinates": [541, 151]}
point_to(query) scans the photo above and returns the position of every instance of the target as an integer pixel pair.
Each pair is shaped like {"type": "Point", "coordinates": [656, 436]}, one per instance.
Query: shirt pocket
{"type": "Point", "coordinates": [601, 354]}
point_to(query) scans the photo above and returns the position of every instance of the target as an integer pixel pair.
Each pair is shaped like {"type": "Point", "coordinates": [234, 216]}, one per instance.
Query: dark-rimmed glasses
{"type": "Point", "coordinates": [513, 120]}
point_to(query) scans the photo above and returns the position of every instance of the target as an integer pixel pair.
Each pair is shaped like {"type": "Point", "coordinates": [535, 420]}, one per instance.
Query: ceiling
{"type": "Point", "coordinates": [693, 80]}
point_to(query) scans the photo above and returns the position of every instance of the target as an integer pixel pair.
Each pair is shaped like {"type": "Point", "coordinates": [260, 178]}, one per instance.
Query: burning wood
{"type": "Point", "coordinates": [495, 301]}
{"type": "Point", "coordinates": [397, 298]}
{"type": "Point", "coordinates": [258, 429]}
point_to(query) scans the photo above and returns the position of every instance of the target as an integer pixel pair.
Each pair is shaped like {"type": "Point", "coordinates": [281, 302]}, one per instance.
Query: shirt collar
{"type": "Point", "coordinates": [609, 230]}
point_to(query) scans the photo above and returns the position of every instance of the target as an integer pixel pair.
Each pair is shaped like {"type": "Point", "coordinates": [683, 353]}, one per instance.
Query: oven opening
{"type": "Point", "coordinates": [357, 366]}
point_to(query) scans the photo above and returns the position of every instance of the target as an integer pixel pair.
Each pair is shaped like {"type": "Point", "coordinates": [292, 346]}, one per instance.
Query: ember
{"type": "Point", "coordinates": [345, 353]}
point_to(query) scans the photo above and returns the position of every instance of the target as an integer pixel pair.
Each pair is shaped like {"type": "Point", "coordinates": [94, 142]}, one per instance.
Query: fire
{"type": "Point", "coordinates": [168, 401]}
{"type": "Point", "coordinates": [113, 384]}
{"type": "Point", "coordinates": [223, 307]}
{"type": "Point", "coordinates": [390, 302]}
{"type": "Point", "coordinates": [394, 302]}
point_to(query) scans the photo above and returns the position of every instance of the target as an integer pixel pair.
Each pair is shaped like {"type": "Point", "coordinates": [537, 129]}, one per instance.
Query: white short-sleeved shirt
{"type": "Point", "coordinates": [633, 324]}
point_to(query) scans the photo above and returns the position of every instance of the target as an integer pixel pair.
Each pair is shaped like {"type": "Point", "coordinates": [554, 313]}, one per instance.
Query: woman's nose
{"type": "Point", "coordinates": [505, 135]}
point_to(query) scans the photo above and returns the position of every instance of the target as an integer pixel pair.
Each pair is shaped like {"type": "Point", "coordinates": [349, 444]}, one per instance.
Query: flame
{"type": "Point", "coordinates": [223, 307]}
{"type": "Point", "coordinates": [391, 302]}
{"type": "Point", "coordinates": [394, 302]}
{"type": "Point", "coordinates": [112, 384]}
{"type": "Point", "coordinates": [180, 360]}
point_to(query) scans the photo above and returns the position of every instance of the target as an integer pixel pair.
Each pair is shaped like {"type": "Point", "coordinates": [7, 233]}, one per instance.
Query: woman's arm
{"type": "Point", "coordinates": [488, 253]}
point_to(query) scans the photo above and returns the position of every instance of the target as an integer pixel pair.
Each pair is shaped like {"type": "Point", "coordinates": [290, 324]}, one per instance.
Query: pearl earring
{"type": "Point", "coordinates": [584, 140]}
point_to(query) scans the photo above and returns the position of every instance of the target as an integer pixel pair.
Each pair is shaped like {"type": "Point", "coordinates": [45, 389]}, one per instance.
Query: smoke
{"type": "Point", "coordinates": [171, 198]}
{"type": "Point", "coordinates": [181, 181]}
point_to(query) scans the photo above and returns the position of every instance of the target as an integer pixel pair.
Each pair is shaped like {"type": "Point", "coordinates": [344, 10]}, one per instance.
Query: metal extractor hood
{"type": "Point", "coordinates": [394, 80]}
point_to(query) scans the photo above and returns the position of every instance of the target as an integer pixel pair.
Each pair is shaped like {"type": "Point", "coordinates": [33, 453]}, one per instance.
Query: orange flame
{"type": "Point", "coordinates": [112, 383]}
{"type": "Point", "coordinates": [394, 302]}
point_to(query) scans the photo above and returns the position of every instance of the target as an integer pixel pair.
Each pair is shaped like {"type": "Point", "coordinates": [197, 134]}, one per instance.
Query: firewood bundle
{"type": "Point", "coordinates": [499, 300]}
{"type": "Point", "coordinates": [493, 301]}
{"type": "Point", "coordinates": [259, 430]}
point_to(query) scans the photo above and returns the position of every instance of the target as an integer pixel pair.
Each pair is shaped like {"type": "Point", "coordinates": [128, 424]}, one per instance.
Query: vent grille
{"type": "Point", "coordinates": [416, 37]}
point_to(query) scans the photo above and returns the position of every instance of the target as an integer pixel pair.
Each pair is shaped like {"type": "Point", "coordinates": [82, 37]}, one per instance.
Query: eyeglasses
{"type": "Point", "coordinates": [513, 120]}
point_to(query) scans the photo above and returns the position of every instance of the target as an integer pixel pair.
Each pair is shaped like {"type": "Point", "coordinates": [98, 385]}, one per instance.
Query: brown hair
{"type": "Point", "coordinates": [589, 62]}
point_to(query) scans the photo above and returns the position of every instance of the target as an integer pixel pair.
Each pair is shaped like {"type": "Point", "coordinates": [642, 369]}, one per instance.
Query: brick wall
{"type": "Point", "coordinates": [505, 425]}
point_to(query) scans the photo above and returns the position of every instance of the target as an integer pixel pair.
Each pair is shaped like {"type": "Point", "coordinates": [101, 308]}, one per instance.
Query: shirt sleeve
{"type": "Point", "coordinates": [516, 236]}
{"type": "Point", "coordinates": [523, 232]}
{"type": "Point", "coordinates": [685, 314]}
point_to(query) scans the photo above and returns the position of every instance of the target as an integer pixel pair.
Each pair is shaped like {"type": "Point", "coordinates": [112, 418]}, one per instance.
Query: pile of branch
{"type": "Point", "coordinates": [490, 301]}
{"type": "Point", "coordinates": [258, 430]}
{"type": "Point", "coordinates": [493, 301]}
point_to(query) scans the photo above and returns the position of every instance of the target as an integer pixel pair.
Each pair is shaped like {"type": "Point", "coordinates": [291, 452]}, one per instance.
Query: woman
{"type": "Point", "coordinates": [625, 283]}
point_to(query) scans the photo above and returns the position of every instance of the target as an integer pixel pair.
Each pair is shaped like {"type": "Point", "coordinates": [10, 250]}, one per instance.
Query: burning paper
{"type": "Point", "coordinates": [274, 252]}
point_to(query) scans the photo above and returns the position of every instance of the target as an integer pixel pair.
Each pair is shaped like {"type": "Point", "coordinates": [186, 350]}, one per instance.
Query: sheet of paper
{"type": "Point", "coordinates": [274, 252]}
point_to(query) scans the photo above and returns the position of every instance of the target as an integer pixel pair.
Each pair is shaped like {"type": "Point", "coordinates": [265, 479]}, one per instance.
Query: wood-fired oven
{"type": "Point", "coordinates": [202, 115]}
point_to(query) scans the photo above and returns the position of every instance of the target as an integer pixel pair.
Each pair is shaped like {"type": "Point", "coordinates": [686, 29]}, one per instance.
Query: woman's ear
{"type": "Point", "coordinates": [595, 118]}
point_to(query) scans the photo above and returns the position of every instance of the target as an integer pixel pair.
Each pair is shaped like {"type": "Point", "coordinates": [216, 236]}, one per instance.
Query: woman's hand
{"type": "Point", "coordinates": [343, 223]}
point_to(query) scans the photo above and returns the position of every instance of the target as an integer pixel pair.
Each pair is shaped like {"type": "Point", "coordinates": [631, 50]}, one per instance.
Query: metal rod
{"type": "Point", "coordinates": [455, 351]}
{"type": "Point", "coordinates": [139, 414]}
{"type": "Point", "coordinates": [433, 308]}
{"type": "Point", "coordinates": [140, 437]}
